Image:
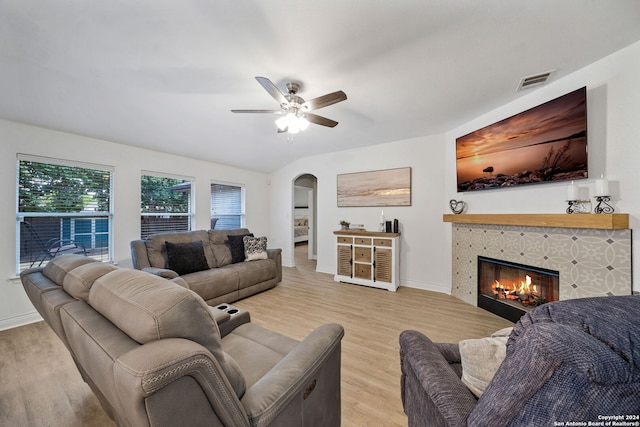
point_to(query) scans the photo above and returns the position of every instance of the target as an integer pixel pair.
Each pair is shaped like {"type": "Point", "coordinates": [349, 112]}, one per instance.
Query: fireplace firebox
{"type": "Point", "coordinates": [510, 290]}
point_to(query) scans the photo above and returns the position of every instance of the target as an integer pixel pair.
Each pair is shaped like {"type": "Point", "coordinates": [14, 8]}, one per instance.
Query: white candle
{"type": "Point", "coordinates": [602, 187]}
{"type": "Point", "coordinates": [572, 192]}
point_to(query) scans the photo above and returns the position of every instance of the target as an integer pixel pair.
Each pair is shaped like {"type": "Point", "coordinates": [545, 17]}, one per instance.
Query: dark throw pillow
{"type": "Point", "coordinates": [236, 244]}
{"type": "Point", "coordinates": [185, 258]}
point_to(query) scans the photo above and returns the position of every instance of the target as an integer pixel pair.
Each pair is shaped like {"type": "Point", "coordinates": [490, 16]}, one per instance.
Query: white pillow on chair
{"type": "Point", "coordinates": [481, 358]}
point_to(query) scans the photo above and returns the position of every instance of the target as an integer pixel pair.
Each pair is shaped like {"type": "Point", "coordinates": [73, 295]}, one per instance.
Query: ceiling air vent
{"type": "Point", "coordinates": [534, 81]}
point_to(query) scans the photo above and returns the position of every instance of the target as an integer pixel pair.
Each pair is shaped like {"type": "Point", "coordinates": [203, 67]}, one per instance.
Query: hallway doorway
{"type": "Point", "coordinates": [302, 260]}
{"type": "Point", "coordinates": [304, 216]}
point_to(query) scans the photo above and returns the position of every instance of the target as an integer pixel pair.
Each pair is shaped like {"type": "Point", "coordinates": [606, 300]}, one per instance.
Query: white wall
{"type": "Point", "coordinates": [128, 162]}
{"type": "Point", "coordinates": [614, 150]}
{"type": "Point", "coordinates": [423, 232]}
{"type": "Point", "coordinates": [613, 128]}
{"type": "Point", "coordinates": [301, 196]}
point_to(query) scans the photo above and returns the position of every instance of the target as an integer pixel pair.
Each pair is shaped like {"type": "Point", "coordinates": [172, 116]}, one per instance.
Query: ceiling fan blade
{"type": "Point", "coordinates": [258, 111]}
{"type": "Point", "coordinates": [283, 130]}
{"type": "Point", "coordinates": [319, 120]}
{"type": "Point", "coordinates": [273, 91]}
{"type": "Point", "coordinates": [324, 101]}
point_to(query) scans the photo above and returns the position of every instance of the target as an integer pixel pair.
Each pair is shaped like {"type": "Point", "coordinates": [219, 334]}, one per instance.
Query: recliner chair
{"type": "Point", "coordinates": [573, 360]}
{"type": "Point", "coordinates": [152, 352]}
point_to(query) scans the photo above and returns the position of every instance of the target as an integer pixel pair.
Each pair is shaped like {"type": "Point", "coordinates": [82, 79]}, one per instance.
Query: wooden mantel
{"type": "Point", "coordinates": [599, 221]}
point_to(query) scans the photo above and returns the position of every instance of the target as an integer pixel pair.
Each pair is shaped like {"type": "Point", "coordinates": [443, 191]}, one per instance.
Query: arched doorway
{"type": "Point", "coordinates": [304, 215]}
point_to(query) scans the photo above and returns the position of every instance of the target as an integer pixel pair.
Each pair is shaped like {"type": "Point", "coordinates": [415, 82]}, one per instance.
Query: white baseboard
{"type": "Point", "coordinates": [325, 269]}
{"type": "Point", "coordinates": [427, 286]}
{"type": "Point", "coordinates": [21, 320]}
{"type": "Point", "coordinates": [434, 287]}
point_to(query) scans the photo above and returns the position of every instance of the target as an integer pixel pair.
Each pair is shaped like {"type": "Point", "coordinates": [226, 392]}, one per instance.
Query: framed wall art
{"type": "Point", "coordinates": [388, 187]}
{"type": "Point", "coordinates": [547, 143]}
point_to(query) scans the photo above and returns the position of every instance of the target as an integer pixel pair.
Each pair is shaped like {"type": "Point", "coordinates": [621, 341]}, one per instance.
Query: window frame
{"type": "Point", "coordinates": [242, 211]}
{"type": "Point", "coordinates": [190, 214]}
{"type": "Point", "coordinates": [72, 216]}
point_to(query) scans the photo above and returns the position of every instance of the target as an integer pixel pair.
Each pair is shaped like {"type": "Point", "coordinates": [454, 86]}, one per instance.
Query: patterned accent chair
{"type": "Point", "coordinates": [573, 360]}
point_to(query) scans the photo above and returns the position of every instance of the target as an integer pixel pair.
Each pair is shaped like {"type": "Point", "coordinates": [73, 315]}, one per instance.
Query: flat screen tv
{"type": "Point", "coordinates": [547, 143]}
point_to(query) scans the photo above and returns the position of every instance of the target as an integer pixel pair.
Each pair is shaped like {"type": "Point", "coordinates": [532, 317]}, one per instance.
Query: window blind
{"type": "Point", "coordinates": [165, 205]}
{"type": "Point", "coordinates": [227, 206]}
{"type": "Point", "coordinates": [62, 207]}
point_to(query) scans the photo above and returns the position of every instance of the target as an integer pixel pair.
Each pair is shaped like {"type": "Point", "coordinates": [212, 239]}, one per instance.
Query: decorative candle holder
{"type": "Point", "coordinates": [603, 207]}
{"type": "Point", "coordinates": [578, 206]}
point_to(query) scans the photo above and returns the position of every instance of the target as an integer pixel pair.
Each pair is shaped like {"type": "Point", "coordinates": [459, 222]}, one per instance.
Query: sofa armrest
{"type": "Point", "coordinates": [431, 392]}
{"type": "Point", "coordinates": [276, 255]}
{"type": "Point", "coordinates": [162, 272]}
{"type": "Point", "coordinates": [164, 376]}
{"type": "Point", "coordinates": [139, 255]}
{"type": "Point", "coordinates": [220, 316]}
{"type": "Point", "coordinates": [309, 373]}
{"type": "Point", "coordinates": [451, 353]}
{"type": "Point", "coordinates": [30, 270]}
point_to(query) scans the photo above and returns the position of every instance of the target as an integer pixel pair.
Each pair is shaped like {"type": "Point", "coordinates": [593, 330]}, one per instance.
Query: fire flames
{"type": "Point", "coordinates": [525, 292]}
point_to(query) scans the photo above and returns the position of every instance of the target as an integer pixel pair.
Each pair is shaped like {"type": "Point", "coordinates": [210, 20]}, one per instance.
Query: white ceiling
{"type": "Point", "coordinates": [163, 74]}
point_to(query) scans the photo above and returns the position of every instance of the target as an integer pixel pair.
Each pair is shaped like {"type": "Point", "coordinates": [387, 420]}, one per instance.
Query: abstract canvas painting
{"type": "Point", "coordinates": [389, 187]}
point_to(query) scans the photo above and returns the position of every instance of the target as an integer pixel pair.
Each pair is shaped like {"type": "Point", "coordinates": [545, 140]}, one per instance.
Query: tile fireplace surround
{"type": "Point", "coordinates": [591, 261]}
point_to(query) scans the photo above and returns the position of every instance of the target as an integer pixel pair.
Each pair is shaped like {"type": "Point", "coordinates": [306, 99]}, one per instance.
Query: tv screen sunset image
{"type": "Point", "coordinates": [547, 143]}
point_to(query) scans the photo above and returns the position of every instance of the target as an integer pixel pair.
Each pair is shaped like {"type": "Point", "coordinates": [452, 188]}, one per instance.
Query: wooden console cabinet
{"type": "Point", "coordinates": [368, 258]}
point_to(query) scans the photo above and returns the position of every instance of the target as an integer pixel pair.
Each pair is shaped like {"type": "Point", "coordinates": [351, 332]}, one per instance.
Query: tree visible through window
{"type": "Point", "coordinates": [227, 206]}
{"type": "Point", "coordinates": [62, 208]}
{"type": "Point", "coordinates": [165, 205]}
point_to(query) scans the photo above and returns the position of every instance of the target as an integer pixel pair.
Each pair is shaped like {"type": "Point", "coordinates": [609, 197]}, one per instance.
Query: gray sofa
{"type": "Point", "coordinates": [152, 352]}
{"type": "Point", "coordinates": [575, 360]}
{"type": "Point", "coordinates": [223, 280]}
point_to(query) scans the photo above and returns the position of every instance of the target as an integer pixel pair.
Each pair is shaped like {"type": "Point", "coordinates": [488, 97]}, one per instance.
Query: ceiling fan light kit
{"type": "Point", "coordinates": [292, 123]}
{"type": "Point", "coordinates": [296, 110]}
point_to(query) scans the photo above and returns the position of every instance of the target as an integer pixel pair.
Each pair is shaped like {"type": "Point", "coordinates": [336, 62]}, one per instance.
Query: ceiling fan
{"type": "Point", "coordinates": [295, 110]}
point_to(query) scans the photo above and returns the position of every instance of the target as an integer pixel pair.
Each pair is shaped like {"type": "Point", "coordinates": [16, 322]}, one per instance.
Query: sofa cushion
{"type": "Point", "coordinates": [480, 360]}
{"type": "Point", "coordinates": [157, 252]}
{"type": "Point", "coordinates": [185, 258]}
{"type": "Point", "coordinates": [57, 268]}
{"type": "Point", "coordinates": [78, 281]}
{"type": "Point", "coordinates": [236, 245]}
{"type": "Point", "coordinates": [254, 272]}
{"type": "Point", "coordinates": [148, 308]}
{"type": "Point", "coordinates": [220, 248]}
{"type": "Point", "coordinates": [214, 282]}
{"type": "Point", "coordinates": [257, 349]}
{"type": "Point", "coordinates": [254, 248]}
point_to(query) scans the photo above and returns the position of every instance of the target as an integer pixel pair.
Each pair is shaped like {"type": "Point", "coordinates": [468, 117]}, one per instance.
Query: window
{"type": "Point", "coordinates": [62, 207]}
{"type": "Point", "coordinates": [227, 206]}
{"type": "Point", "coordinates": [165, 205]}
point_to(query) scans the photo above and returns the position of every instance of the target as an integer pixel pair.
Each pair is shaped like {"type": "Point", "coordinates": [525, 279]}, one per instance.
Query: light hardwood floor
{"type": "Point", "coordinates": [40, 386]}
